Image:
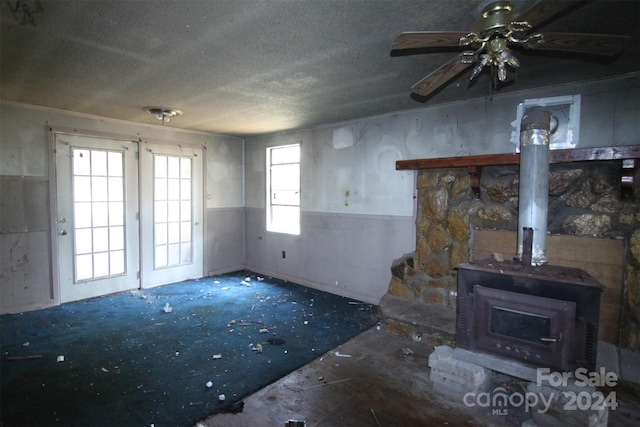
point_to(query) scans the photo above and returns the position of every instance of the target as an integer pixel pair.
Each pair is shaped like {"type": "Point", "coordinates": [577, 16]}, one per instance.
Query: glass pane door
{"type": "Point", "coordinates": [173, 211]}
{"type": "Point", "coordinates": [98, 201]}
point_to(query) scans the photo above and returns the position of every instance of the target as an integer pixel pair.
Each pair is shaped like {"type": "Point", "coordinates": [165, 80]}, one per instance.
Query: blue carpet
{"type": "Point", "coordinates": [128, 362]}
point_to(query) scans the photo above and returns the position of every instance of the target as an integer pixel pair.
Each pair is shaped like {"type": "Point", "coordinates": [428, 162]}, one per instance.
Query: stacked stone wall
{"type": "Point", "coordinates": [584, 200]}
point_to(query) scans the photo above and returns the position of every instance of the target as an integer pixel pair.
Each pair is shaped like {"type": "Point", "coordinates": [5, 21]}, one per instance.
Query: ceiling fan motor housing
{"type": "Point", "coordinates": [496, 18]}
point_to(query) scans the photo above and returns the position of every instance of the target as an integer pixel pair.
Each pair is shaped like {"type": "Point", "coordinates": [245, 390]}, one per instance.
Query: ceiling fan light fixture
{"type": "Point", "coordinates": [501, 26]}
{"type": "Point", "coordinates": [509, 58]}
{"type": "Point", "coordinates": [502, 72]}
{"type": "Point", "coordinates": [478, 68]}
{"type": "Point", "coordinates": [162, 113]}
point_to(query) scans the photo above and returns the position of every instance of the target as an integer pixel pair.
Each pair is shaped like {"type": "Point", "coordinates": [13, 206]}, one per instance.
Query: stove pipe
{"type": "Point", "coordinates": [533, 207]}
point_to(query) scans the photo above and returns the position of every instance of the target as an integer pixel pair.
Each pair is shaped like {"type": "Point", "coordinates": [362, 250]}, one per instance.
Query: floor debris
{"type": "Point", "coordinates": [407, 351]}
{"type": "Point", "coordinates": [232, 407]}
{"type": "Point", "coordinates": [329, 383]}
{"type": "Point", "coordinates": [197, 329]}
{"type": "Point", "coordinates": [375, 418]}
{"type": "Point", "coordinates": [29, 357]}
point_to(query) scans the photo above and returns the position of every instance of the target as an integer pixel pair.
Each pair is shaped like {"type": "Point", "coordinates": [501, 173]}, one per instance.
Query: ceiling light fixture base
{"type": "Point", "coordinates": [162, 113]}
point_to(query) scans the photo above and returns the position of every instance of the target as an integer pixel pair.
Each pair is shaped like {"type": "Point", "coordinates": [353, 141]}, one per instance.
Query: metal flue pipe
{"type": "Point", "coordinates": [533, 206]}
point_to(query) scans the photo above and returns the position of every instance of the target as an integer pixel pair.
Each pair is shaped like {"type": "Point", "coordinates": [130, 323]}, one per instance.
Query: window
{"type": "Point", "coordinates": [173, 211]}
{"type": "Point", "coordinates": [283, 189]}
{"type": "Point", "coordinates": [98, 203]}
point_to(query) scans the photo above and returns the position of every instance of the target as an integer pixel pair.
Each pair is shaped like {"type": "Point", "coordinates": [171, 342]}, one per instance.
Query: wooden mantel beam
{"type": "Point", "coordinates": [628, 153]}
{"type": "Point", "coordinates": [556, 156]}
{"type": "Point", "coordinates": [459, 162]}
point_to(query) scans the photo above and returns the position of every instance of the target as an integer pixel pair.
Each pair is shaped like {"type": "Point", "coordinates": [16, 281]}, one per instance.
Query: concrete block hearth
{"type": "Point", "coordinates": [418, 320]}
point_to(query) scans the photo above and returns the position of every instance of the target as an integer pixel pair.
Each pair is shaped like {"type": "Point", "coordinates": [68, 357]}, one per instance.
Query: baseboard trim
{"type": "Point", "coordinates": [316, 285]}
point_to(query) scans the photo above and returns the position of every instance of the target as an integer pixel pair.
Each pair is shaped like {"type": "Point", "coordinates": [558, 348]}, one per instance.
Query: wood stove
{"type": "Point", "coordinates": [526, 310]}
{"type": "Point", "coordinates": [545, 316]}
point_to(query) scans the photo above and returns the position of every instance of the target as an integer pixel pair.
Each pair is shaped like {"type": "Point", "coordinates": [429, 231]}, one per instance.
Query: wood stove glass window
{"type": "Point", "coordinates": [519, 324]}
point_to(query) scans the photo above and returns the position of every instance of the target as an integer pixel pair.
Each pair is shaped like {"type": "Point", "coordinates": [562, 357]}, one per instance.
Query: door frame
{"type": "Point", "coordinates": [53, 204]}
{"type": "Point", "coordinates": [53, 195]}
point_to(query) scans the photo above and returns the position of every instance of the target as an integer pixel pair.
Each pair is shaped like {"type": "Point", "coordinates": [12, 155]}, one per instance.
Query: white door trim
{"type": "Point", "coordinates": [53, 133]}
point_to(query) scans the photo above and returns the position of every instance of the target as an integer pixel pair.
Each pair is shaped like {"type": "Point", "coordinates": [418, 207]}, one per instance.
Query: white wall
{"type": "Point", "coordinates": [25, 266]}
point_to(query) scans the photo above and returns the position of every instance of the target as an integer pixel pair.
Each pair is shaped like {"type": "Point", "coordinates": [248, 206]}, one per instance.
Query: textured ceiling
{"type": "Point", "coordinates": [243, 67]}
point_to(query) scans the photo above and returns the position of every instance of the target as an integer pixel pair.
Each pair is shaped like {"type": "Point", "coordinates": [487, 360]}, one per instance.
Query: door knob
{"type": "Point", "coordinates": [64, 232]}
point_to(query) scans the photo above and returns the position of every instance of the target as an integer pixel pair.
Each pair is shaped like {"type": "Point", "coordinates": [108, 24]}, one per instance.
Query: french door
{"type": "Point", "coordinates": [97, 204]}
{"type": "Point", "coordinates": [125, 219]}
{"type": "Point", "coordinates": [171, 214]}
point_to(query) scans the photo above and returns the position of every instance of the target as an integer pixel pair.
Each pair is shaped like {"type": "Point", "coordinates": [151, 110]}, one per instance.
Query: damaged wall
{"type": "Point", "coordinates": [353, 217]}
{"type": "Point", "coordinates": [25, 224]}
{"type": "Point", "coordinates": [358, 211]}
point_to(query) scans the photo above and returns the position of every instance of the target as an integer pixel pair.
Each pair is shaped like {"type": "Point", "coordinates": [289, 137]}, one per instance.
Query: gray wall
{"type": "Point", "coordinates": [25, 249]}
{"type": "Point", "coordinates": [358, 211]}
{"type": "Point", "coordinates": [224, 233]}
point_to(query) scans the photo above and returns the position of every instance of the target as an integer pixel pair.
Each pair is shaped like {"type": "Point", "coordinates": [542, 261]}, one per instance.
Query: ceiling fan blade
{"type": "Point", "coordinates": [544, 10]}
{"type": "Point", "coordinates": [446, 72]}
{"type": "Point", "coordinates": [595, 44]}
{"type": "Point", "coordinates": [426, 39]}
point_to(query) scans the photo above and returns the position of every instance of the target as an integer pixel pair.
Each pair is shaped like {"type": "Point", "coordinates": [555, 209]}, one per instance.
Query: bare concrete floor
{"type": "Point", "coordinates": [376, 379]}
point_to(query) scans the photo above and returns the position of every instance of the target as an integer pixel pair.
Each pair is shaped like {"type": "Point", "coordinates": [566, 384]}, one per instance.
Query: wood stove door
{"type": "Point", "coordinates": [524, 327]}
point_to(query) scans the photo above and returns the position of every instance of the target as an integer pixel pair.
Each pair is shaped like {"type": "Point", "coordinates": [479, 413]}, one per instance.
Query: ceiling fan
{"type": "Point", "coordinates": [500, 27]}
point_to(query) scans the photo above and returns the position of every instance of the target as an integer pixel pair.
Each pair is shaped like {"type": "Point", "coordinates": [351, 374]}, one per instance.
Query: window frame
{"type": "Point", "coordinates": [275, 223]}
